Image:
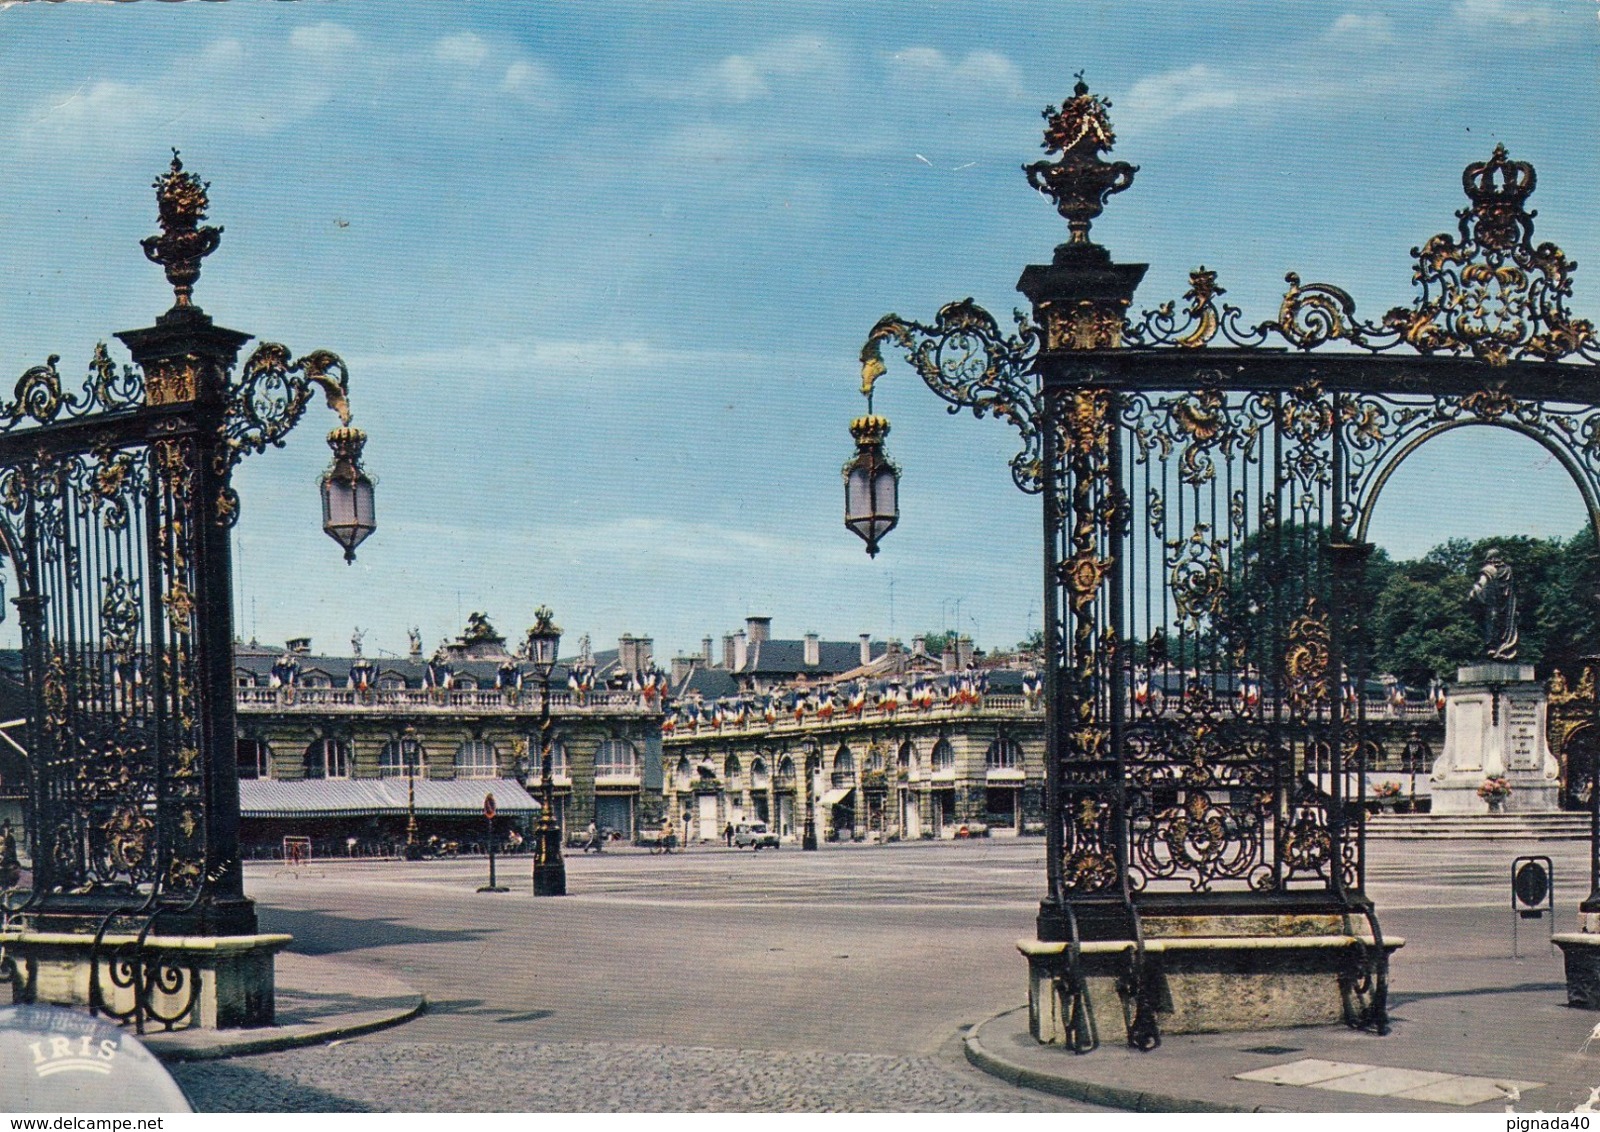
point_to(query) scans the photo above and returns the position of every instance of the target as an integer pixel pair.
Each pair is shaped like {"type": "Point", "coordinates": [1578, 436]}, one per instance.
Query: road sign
{"type": "Point", "coordinates": [1533, 894]}
{"type": "Point", "coordinates": [488, 813]}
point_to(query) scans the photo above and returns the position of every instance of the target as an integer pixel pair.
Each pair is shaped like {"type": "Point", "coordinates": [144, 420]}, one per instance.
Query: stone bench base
{"type": "Point", "coordinates": [1203, 984]}
{"type": "Point", "coordinates": [1581, 951]}
{"type": "Point", "coordinates": [209, 982]}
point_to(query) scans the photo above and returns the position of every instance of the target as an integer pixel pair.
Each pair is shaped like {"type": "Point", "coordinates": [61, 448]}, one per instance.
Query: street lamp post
{"type": "Point", "coordinates": [407, 746]}
{"type": "Point", "coordinates": [813, 753]}
{"type": "Point", "coordinates": [549, 870]}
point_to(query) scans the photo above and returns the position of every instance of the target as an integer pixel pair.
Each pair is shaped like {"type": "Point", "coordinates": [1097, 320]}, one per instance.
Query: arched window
{"type": "Point", "coordinates": [786, 768]}
{"type": "Point", "coordinates": [759, 778]}
{"type": "Point", "coordinates": [328, 758]}
{"type": "Point", "coordinates": [844, 768]}
{"type": "Point", "coordinates": [944, 757]}
{"type": "Point", "coordinates": [475, 759]}
{"type": "Point", "coordinates": [909, 764]}
{"type": "Point", "coordinates": [1004, 754]}
{"type": "Point", "coordinates": [615, 758]}
{"type": "Point", "coordinates": [683, 774]}
{"type": "Point", "coordinates": [874, 757]}
{"type": "Point", "coordinates": [559, 766]}
{"type": "Point", "coordinates": [400, 757]}
{"type": "Point", "coordinates": [254, 758]}
{"type": "Point", "coordinates": [731, 769]}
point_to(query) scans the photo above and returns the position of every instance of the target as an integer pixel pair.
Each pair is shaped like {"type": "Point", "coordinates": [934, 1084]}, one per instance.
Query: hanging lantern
{"type": "Point", "coordinates": [347, 505]}
{"type": "Point", "coordinates": [871, 484]}
{"type": "Point", "coordinates": [544, 639]}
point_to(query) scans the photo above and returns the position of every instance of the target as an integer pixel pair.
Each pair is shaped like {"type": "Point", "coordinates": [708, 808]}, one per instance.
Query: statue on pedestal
{"type": "Point", "coordinates": [1496, 591]}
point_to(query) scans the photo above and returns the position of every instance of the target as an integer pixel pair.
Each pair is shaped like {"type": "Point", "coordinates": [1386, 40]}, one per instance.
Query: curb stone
{"type": "Point", "coordinates": [269, 1043]}
{"type": "Point", "coordinates": [1112, 1096]}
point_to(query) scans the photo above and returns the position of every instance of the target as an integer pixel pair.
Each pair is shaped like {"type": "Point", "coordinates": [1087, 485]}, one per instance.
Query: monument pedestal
{"type": "Point", "coordinates": [1494, 727]}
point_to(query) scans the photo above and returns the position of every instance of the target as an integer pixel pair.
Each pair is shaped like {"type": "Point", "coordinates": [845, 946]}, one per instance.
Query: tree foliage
{"type": "Point", "coordinates": [1424, 625]}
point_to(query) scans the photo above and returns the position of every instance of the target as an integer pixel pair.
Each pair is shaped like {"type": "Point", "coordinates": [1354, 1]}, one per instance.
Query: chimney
{"type": "Point", "coordinates": [866, 648]}
{"type": "Point", "coordinates": [300, 646]}
{"type": "Point", "coordinates": [727, 652]}
{"type": "Point", "coordinates": [627, 653]}
{"type": "Point", "coordinates": [919, 645]}
{"type": "Point", "coordinates": [947, 659]}
{"type": "Point", "coordinates": [758, 629]}
{"type": "Point", "coordinates": [740, 651]}
{"type": "Point", "coordinates": [964, 652]}
{"type": "Point", "coordinates": [813, 655]}
{"type": "Point", "coordinates": [680, 669]}
{"type": "Point", "coordinates": [647, 652]}
{"type": "Point", "coordinates": [705, 651]}
{"type": "Point", "coordinates": [894, 647]}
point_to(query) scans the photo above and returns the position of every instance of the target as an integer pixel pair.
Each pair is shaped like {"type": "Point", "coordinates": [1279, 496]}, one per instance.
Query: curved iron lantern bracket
{"type": "Point", "coordinates": [966, 359]}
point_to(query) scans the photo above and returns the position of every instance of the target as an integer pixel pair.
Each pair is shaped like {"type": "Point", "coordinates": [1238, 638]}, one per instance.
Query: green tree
{"type": "Point", "coordinates": [1425, 626]}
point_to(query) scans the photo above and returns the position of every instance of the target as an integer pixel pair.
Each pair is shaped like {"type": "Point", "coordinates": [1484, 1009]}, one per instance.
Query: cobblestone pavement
{"type": "Point", "coordinates": [724, 980]}
{"type": "Point", "coordinates": [593, 1076]}
{"type": "Point", "coordinates": [704, 981]}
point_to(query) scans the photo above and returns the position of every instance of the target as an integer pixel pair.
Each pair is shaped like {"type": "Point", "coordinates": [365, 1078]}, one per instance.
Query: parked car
{"type": "Point", "coordinates": [754, 834]}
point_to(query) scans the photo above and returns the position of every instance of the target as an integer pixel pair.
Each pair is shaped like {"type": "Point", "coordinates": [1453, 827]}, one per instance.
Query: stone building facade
{"type": "Point", "coordinates": [910, 775]}
{"type": "Point", "coordinates": [320, 736]}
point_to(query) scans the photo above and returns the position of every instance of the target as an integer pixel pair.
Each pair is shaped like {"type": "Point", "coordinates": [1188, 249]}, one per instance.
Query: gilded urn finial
{"type": "Point", "coordinates": [1080, 181]}
{"type": "Point", "coordinates": [183, 243]}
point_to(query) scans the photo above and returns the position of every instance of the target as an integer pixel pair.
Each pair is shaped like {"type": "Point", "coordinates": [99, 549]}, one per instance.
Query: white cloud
{"type": "Point", "coordinates": [1156, 99]}
{"type": "Point", "coordinates": [739, 78]}
{"type": "Point", "coordinates": [462, 50]}
{"type": "Point", "coordinates": [528, 80]}
{"type": "Point", "coordinates": [322, 39]}
{"type": "Point", "coordinates": [1356, 27]}
{"type": "Point", "coordinates": [928, 66]}
{"type": "Point", "coordinates": [748, 76]}
{"type": "Point", "coordinates": [104, 108]}
{"type": "Point", "coordinates": [563, 357]}
{"type": "Point", "coordinates": [1506, 13]}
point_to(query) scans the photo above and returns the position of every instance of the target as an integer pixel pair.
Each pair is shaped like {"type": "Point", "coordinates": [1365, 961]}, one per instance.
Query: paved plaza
{"type": "Point", "coordinates": [837, 980]}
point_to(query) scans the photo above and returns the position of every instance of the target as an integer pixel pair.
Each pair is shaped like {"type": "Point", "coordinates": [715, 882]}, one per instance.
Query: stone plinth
{"type": "Point", "coordinates": [1494, 726]}
{"type": "Point", "coordinates": [1298, 976]}
{"type": "Point", "coordinates": [230, 977]}
{"type": "Point", "coordinates": [1581, 951]}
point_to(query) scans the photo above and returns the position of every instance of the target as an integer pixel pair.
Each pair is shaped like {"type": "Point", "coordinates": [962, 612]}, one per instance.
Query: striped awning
{"type": "Point", "coordinates": [374, 797]}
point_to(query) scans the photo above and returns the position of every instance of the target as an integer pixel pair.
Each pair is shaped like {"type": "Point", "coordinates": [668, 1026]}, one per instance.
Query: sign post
{"type": "Point", "coordinates": [488, 817]}
{"type": "Point", "coordinates": [1533, 895]}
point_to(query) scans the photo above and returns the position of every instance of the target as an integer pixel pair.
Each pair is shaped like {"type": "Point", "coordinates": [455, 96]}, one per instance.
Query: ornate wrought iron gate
{"type": "Point", "coordinates": [115, 510]}
{"type": "Point", "coordinates": [1207, 487]}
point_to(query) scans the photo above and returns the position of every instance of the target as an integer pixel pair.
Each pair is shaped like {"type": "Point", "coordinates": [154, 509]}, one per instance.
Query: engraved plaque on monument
{"type": "Point", "coordinates": [1523, 735]}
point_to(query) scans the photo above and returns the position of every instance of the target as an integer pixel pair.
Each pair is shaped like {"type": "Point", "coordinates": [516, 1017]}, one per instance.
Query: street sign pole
{"type": "Point", "coordinates": [488, 817]}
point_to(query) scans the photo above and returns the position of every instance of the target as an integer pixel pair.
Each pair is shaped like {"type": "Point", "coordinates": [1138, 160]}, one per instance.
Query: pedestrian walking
{"type": "Point", "coordinates": [10, 866]}
{"type": "Point", "coordinates": [594, 839]}
{"type": "Point", "coordinates": [727, 835]}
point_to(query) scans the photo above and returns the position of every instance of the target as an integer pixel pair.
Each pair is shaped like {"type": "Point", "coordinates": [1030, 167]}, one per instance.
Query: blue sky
{"type": "Point", "coordinates": [601, 271]}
